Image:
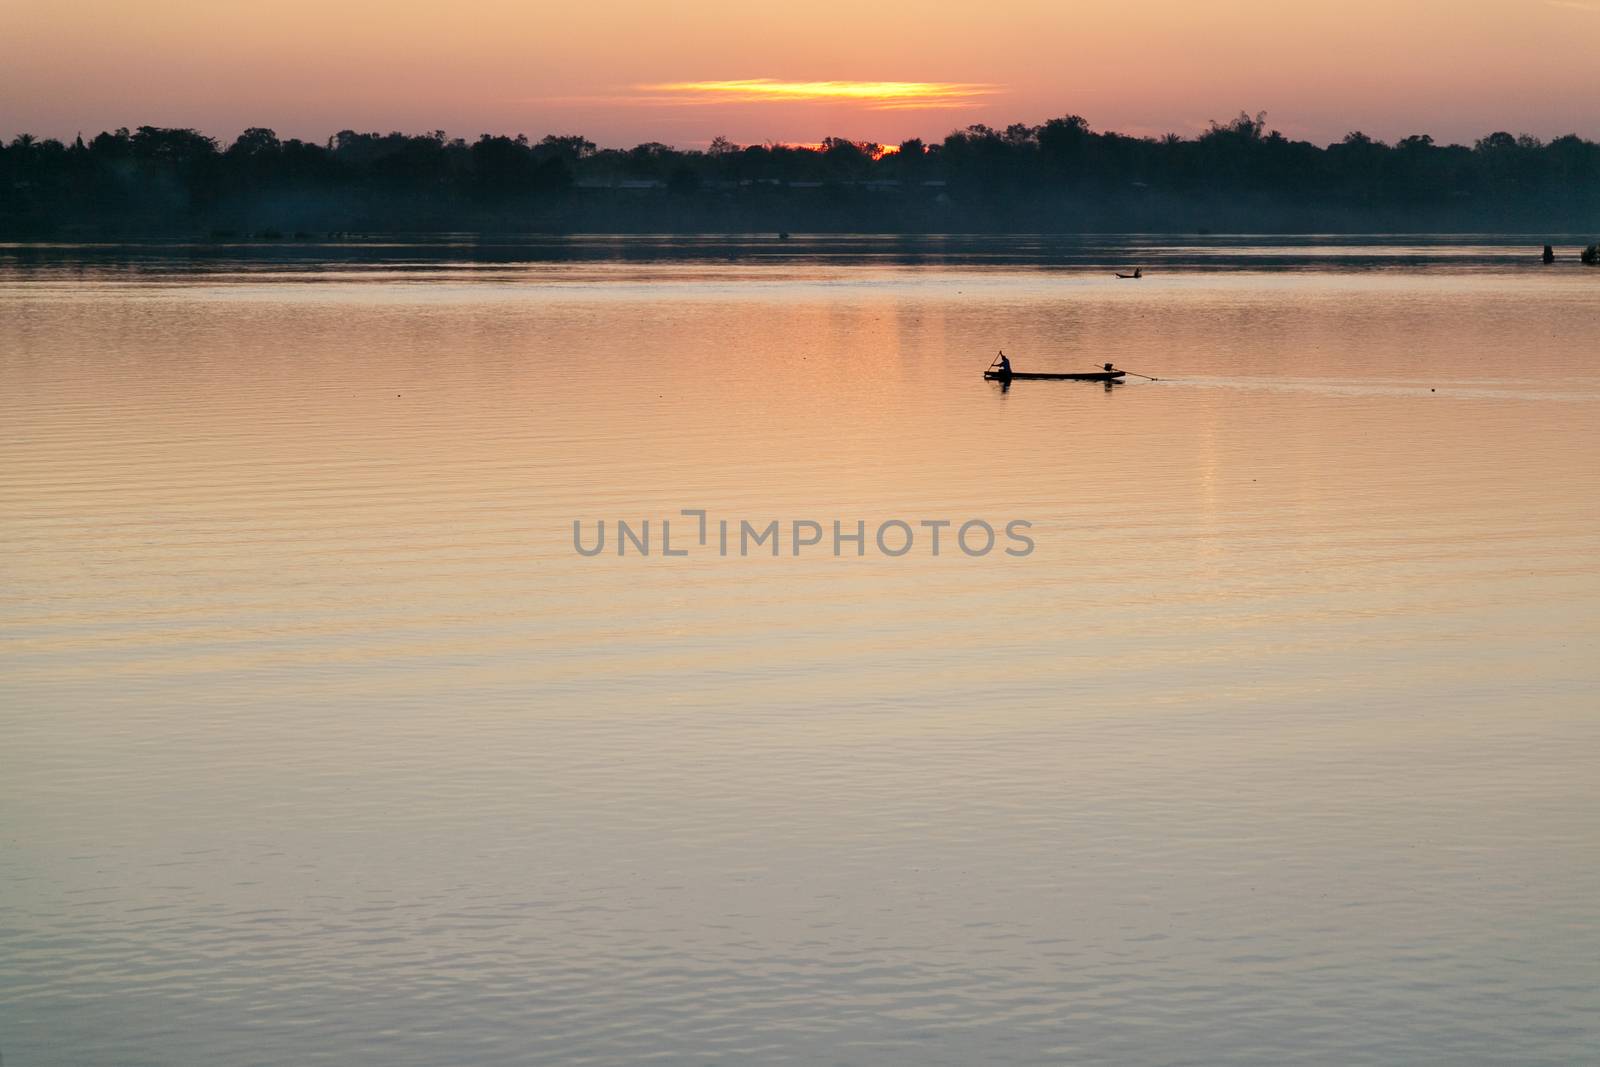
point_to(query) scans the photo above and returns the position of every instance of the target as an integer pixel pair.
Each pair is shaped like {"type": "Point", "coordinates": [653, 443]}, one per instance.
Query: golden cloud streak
{"type": "Point", "coordinates": [878, 96]}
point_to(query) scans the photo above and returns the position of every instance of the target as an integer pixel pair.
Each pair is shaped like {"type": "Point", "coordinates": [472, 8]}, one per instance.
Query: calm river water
{"type": "Point", "coordinates": [320, 743]}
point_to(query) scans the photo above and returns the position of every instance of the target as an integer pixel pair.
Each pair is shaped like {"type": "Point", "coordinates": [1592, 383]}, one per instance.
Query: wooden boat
{"type": "Point", "coordinates": [1021, 376]}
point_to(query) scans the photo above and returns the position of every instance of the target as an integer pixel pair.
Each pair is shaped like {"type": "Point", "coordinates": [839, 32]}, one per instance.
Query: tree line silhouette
{"type": "Point", "coordinates": [1061, 176]}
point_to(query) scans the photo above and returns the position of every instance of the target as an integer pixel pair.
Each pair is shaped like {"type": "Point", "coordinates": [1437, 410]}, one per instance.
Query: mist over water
{"type": "Point", "coordinates": [322, 744]}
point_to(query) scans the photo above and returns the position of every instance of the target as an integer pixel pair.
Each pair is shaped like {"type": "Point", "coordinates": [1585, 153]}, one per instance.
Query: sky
{"type": "Point", "coordinates": [622, 72]}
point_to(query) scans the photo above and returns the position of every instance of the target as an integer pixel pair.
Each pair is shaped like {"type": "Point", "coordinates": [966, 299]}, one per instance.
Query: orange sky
{"type": "Point", "coordinates": [626, 71]}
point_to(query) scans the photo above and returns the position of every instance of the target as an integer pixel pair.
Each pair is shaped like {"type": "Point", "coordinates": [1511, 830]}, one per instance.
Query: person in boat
{"type": "Point", "coordinates": [1109, 368]}
{"type": "Point", "coordinates": [1004, 369]}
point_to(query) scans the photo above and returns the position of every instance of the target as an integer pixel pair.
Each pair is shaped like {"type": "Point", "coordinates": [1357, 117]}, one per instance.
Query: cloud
{"type": "Point", "coordinates": [876, 96]}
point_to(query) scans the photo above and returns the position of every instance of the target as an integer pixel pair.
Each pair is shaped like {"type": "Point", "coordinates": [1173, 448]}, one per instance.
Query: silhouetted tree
{"type": "Point", "coordinates": [255, 141]}
{"type": "Point", "coordinates": [570, 148]}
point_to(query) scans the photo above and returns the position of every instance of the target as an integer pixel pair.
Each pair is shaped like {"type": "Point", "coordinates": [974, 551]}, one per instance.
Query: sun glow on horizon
{"type": "Point", "coordinates": [882, 95]}
{"type": "Point", "coordinates": [1455, 69]}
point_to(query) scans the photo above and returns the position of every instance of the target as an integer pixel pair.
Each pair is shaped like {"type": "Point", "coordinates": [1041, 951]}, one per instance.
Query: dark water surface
{"type": "Point", "coordinates": [321, 744]}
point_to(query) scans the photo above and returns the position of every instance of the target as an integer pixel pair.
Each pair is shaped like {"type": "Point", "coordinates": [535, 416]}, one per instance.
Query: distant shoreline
{"type": "Point", "coordinates": [1086, 255]}
{"type": "Point", "coordinates": [1353, 238]}
{"type": "Point", "coordinates": [1057, 178]}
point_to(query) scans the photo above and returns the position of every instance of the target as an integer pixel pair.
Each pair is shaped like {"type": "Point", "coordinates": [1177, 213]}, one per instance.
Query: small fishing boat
{"type": "Point", "coordinates": [1021, 376]}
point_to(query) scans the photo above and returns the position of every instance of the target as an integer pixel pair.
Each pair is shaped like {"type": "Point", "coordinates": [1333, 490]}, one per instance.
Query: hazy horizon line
{"type": "Point", "coordinates": [8, 137]}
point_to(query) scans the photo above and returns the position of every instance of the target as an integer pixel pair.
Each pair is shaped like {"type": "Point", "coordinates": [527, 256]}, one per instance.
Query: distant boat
{"type": "Point", "coordinates": [1023, 376]}
{"type": "Point", "coordinates": [1138, 272]}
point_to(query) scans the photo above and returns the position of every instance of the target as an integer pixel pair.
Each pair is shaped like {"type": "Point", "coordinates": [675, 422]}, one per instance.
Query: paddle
{"type": "Point", "coordinates": [1136, 374]}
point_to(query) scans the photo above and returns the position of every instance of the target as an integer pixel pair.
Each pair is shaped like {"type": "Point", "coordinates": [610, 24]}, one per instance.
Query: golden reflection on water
{"type": "Point", "coordinates": [1289, 716]}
